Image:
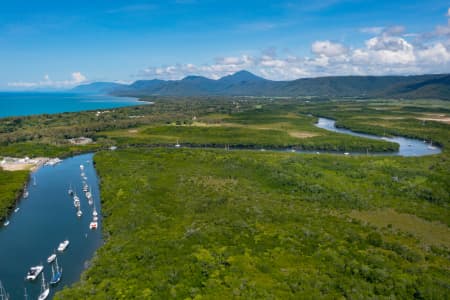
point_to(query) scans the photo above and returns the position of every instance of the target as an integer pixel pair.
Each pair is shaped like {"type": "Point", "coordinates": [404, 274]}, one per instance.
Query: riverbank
{"type": "Point", "coordinates": [12, 184]}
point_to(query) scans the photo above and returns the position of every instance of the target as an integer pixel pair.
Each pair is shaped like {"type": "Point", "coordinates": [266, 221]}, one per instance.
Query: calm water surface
{"type": "Point", "coordinates": [46, 218]}
{"type": "Point", "coordinates": [408, 147]}
{"type": "Point", "coordinates": [28, 103]}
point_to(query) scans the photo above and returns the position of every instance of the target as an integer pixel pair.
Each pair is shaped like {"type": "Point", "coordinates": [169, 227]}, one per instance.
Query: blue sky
{"type": "Point", "coordinates": [63, 43]}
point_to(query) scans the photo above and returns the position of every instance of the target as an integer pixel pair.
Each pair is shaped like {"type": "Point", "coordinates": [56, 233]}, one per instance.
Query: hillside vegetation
{"type": "Point", "coordinates": [244, 83]}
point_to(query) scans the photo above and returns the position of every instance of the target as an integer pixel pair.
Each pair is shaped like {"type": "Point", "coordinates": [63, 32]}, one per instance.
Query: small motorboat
{"type": "Point", "coordinates": [63, 245]}
{"type": "Point", "coordinates": [93, 225]}
{"type": "Point", "coordinates": [79, 212]}
{"type": "Point", "coordinates": [34, 272]}
{"type": "Point", "coordinates": [17, 209]}
{"type": "Point", "coordinates": [51, 258]}
{"type": "Point", "coordinates": [6, 223]}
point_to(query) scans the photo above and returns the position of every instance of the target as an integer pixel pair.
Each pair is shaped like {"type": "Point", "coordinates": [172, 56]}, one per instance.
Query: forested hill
{"type": "Point", "coordinates": [244, 83]}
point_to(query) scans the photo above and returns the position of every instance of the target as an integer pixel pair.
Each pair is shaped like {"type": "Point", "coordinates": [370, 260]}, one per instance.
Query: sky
{"type": "Point", "coordinates": [60, 44]}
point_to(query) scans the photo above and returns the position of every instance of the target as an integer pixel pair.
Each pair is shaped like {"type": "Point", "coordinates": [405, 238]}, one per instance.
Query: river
{"type": "Point", "coordinates": [46, 218]}
{"type": "Point", "coordinates": [408, 147]}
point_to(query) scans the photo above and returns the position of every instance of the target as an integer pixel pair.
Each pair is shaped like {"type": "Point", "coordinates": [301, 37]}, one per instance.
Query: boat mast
{"type": "Point", "coordinates": [3, 294]}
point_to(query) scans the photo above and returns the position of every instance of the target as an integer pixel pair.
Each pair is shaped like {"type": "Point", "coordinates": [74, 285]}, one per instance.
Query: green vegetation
{"type": "Point", "coordinates": [211, 223]}
{"type": "Point", "coordinates": [272, 127]}
{"type": "Point", "coordinates": [216, 224]}
{"type": "Point", "coordinates": [11, 185]}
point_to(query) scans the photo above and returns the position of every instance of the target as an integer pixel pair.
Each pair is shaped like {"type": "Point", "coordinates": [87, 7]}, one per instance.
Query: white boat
{"type": "Point", "coordinates": [34, 181]}
{"type": "Point", "coordinates": [82, 174]}
{"type": "Point", "coordinates": [88, 194]}
{"type": "Point", "coordinates": [431, 147]}
{"type": "Point", "coordinates": [76, 201]}
{"type": "Point", "coordinates": [45, 289]}
{"type": "Point", "coordinates": [25, 194]}
{"type": "Point", "coordinates": [81, 167]}
{"type": "Point", "coordinates": [177, 145]}
{"type": "Point", "coordinates": [3, 294]}
{"type": "Point", "coordinates": [6, 223]}
{"type": "Point", "coordinates": [63, 245]}
{"type": "Point", "coordinates": [16, 209]}
{"type": "Point", "coordinates": [85, 187]}
{"type": "Point", "coordinates": [79, 212]}
{"type": "Point", "coordinates": [95, 219]}
{"type": "Point", "coordinates": [93, 225]}
{"type": "Point", "coordinates": [94, 212]}
{"type": "Point", "coordinates": [51, 258]}
{"type": "Point", "coordinates": [346, 153]}
{"type": "Point", "coordinates": [34, 272]}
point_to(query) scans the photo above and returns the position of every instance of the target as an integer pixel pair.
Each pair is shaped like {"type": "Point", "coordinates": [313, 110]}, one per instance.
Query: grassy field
{"type": "Point", "coordinates": [216, 224]}
{"type": "Point", "coordinates": [271, 127]}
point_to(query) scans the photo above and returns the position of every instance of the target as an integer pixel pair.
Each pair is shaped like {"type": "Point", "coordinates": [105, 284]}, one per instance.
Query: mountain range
{"type": "Point", "coordinates": [244, 83]}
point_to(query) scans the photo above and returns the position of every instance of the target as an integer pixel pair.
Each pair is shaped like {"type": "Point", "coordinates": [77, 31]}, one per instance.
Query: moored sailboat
{"type": "Point", "coordinates": [70, 191]}
{"type": "Point", "coordinates": [56, 273]}
{"type": "Point", "coordinates": [45, 289]}
{"type": "Point", "coordinates": [79, 212]}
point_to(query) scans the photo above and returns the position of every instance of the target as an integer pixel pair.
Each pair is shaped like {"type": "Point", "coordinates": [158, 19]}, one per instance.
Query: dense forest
{"type": "Point", "coordinates": [215, 224]}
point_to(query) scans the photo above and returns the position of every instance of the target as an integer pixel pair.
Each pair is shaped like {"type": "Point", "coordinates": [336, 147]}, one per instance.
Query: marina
{"type": "Point", "coordinates": [47, 224]}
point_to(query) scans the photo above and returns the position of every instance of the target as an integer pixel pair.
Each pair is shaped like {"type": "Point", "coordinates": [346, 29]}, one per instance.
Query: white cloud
{"type": "Point", "coordinates": [76, 78]}
{"type": "Point", "coordinates": [328, 48]}
{"type": "Point", "coordinates": [435, 54]}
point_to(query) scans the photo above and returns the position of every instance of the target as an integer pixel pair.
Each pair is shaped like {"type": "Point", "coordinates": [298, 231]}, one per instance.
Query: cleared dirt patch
{"type": "Point", "coordinates": [302, 134]}
{"type": "Point", "coordinates": [436, 117]}
{"type": "Point", "coordinates": [429, 233]}
{"type": "Point", "coordinates": [133, 131]}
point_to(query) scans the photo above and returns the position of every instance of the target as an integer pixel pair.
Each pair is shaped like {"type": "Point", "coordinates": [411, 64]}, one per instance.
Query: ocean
{"type": "Point", "coordinates": [32, 103]}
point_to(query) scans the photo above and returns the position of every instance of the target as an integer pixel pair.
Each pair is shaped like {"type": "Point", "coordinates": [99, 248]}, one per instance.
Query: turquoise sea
{"type": "Point", "coordinates": [31, 103]}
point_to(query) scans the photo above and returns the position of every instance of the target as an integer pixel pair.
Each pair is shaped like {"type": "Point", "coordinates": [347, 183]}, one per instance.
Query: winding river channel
{"type": "Point", "coordinates": [47, 217]}
{"type": "Point", "coordinates": [408, 147]}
